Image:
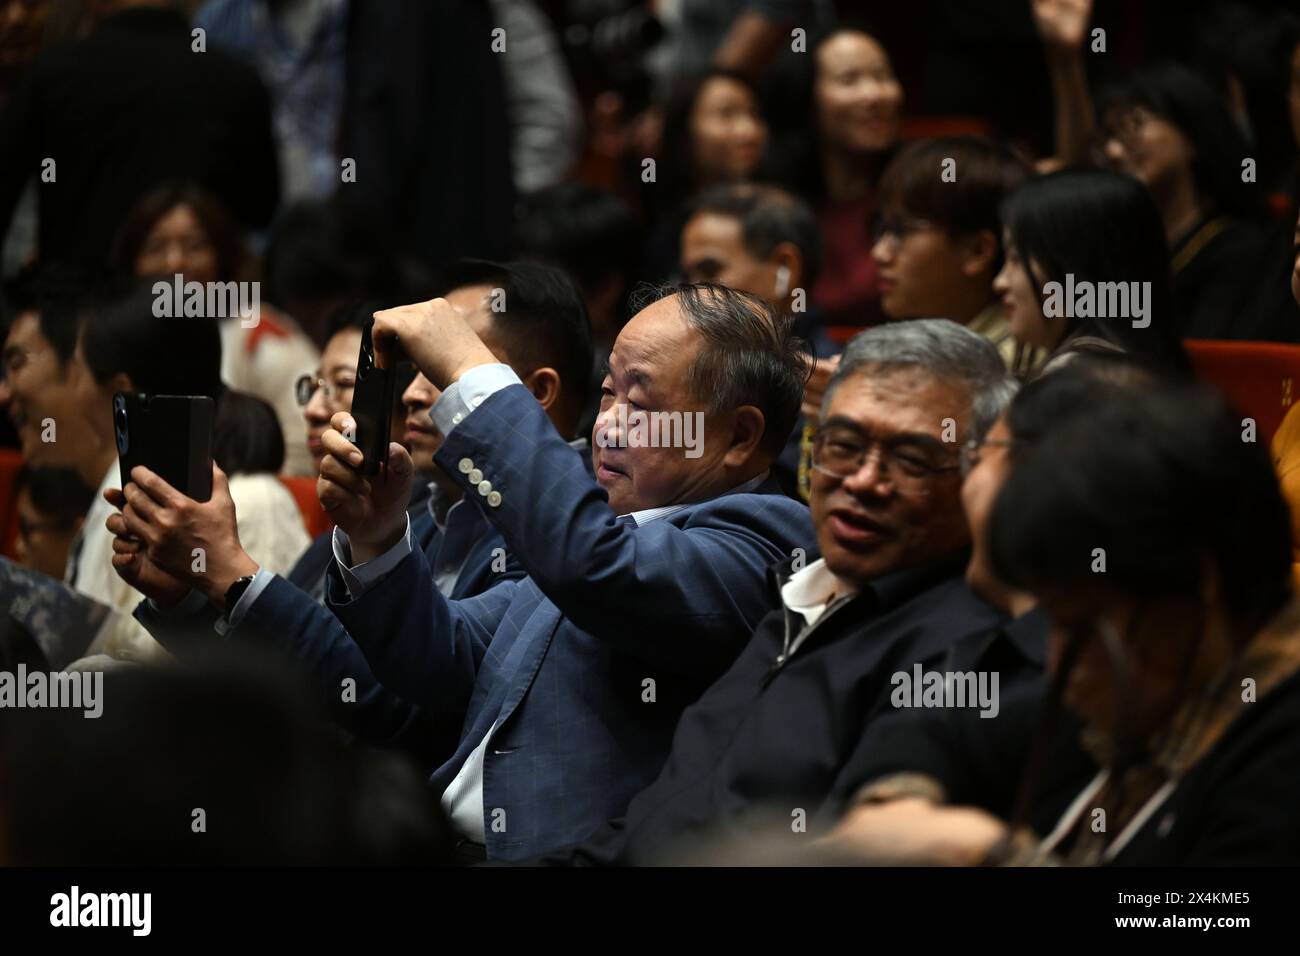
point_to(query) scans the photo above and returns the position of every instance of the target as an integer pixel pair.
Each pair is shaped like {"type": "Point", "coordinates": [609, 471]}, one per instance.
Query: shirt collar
{"type": "Point", "coordinates": [646, 515]}
{"type": "Point", "coordinates": [808, 591]}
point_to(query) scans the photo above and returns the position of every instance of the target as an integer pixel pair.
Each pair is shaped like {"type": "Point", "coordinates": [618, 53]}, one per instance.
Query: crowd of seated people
{"type": "Point", "coordinates": [773, 474]}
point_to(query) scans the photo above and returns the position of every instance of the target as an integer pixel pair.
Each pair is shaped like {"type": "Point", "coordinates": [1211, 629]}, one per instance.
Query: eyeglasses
{"type": "Point", "coordinates": [970, 452]}
{"type": "Point", "coordinates": [898, 228]}
{"type": "Point", "coordinates": [307, 385]}
{"type": "Point", "coordinates": [841, 453]}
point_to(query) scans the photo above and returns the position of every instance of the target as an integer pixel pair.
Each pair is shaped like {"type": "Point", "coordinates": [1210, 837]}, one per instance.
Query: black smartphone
{"type": "Point", "coordinates": [372, 405]}
{"type": "Point", "coordinates": [171, 435]}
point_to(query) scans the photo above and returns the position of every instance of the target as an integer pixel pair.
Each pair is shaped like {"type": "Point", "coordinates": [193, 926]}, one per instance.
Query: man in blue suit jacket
{"type": "Point", "coordinates": [643, 585]}
{"type": "Point", "coordinates": [464, 553]}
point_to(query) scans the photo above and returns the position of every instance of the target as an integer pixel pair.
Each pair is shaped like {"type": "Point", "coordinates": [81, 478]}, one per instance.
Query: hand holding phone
{"type": "Point", "coordinates": [372, 403]}
{"type": "Point", "coordinates": [171, 435]}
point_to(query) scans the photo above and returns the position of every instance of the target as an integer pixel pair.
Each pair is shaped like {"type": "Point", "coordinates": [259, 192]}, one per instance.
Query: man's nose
{"type": "Point", "coordinates": [871, 479]}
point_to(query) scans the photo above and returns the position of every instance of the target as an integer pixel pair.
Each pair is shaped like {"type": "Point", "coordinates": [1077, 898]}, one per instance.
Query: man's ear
{"type": "Point", "coordinates": [979, 253]}
{"type": "Point", "coordinates": [747, 428]}
{"type": "Point", "coordinates": [121, 382]}
{"type": "Point", "coordinates": [545, 386]}
{"type": "Point", "coordinates": [787, 255]}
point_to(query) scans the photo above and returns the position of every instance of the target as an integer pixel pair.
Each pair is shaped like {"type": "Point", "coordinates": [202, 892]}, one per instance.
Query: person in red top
{"type": "Point", "coordinates": [856, 103]}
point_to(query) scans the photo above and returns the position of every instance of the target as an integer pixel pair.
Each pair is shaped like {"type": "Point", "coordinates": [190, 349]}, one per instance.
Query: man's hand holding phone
{"type": "Point", "coordinates": [433, 335]}
{"type": "Point", "coordinates": [371, 511]}
{"type": "Point", "coordinates": [195, 543]}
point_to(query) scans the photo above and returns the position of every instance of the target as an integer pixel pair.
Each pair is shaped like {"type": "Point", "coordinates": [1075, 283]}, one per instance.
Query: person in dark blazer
{"type": "Point", "coordinates": [643, 584]}
{"type": "Point", "coordinates": [99, 121]}
{"type": "Point", "coordinates": [1172, 716]}
{"type": "Point", "coordinates": [769, 737]}
{"type": "Point", "coordinates": [424, 120]}
{"type": "Point", "coordinates": [547, 340]}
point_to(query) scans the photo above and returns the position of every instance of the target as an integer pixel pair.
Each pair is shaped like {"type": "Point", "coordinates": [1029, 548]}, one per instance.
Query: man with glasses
{"type": "Point", "coordinates": [765, 742]}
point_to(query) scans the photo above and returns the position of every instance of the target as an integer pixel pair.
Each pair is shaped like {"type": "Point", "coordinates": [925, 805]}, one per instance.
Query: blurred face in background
{"type": "Point", "coordinates": [1149, 148]}
{"type": "Point", "coordinates": [38, 389]}
{"type": "Point", "coordinates": [338, 373]}
{"type": "Point", "coordinates": [925, 272]}
{"type": "Point", "coordinates": [43, 541]}
{"type": "Point", "coordinates": [714, 250]}
{"type": "Point", "coordinates": [858, 99]}
{"type": "Point", "coordinates": [178, 243]}
{"type": "Point", "coordinates": [728, 133]}
{"type": "Point", "coordinates": [1136, 694]}
{"type": "Point", "coordinates": [1022, 300]}
{"type": "Point", "coordinates": [987, 470]}
{"type": "Point", "coordinates": [22, 23]}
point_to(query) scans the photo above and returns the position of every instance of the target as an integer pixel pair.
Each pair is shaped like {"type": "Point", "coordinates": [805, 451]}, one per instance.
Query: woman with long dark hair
{"type": "Point", "coordinates": [1081, 245]}
{"type": "Point", "coordinates": [1166, 127]}
{"type": "Point", "coordinates": [855, 101]}
{"type": "Point", "coordinates": [714, 134]}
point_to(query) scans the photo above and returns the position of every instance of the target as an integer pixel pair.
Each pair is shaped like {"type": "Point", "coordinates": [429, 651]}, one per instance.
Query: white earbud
{"type": "Point", "coordinates": [782, 282]}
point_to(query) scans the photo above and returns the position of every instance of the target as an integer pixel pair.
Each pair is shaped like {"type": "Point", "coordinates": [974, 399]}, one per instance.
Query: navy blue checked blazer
{"type": "Point", "coordinates": [585, 665]}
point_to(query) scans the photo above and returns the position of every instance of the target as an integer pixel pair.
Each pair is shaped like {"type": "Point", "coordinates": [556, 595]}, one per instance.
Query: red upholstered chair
{"type": "Point", "coordinates": [10, 462]}
{"type": "Point", "coordinates": [1260, 379]}
{"type": "Point", "coordinates": [314, 518]}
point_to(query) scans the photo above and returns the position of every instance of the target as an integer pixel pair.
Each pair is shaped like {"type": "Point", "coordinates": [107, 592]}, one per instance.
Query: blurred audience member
{"type": "Point", "coordinates": [52, 504]}
{"type": "Point", "coordinates": [298, 48]}
{"type": "Point", "coordinates": [36, 391]}
{"type": "Point", "coordinates": [426, 133]}
{"type": "Point", "coordinates": [224, 765]}
{"type": "Point", "coordinates": [1095, 233]}
{"type": "Point", "coordinates": [130, 106]}
{"type": "Point", "coordinates": [179, 229]}
{"type": "Point", "coordinates": [940, 237]}
{"type": "Point", "coordinates": [592, 235]}
{"type": "Point", "coordinates": [714, 133]}
{"type": "Point", "coordinates": [324, 255]}
{"type": "Point", "coordinates": [541, 102]}
{"type": "Point", "coordinates": [761, 240]}
{"type": "Point", "coordinates": [1166, 127]}
{"type": "Point", "coordinates": [853, 101]}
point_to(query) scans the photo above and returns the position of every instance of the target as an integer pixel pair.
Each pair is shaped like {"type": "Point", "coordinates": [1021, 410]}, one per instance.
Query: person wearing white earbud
{"type": "Point", "coordinates": [762, 240]}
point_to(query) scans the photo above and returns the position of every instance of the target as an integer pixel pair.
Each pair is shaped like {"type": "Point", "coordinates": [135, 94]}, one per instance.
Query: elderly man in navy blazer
{"type": "Point", "coordinates": [643, 584]}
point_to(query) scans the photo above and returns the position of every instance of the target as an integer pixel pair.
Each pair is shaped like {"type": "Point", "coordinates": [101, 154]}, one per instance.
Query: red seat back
{"type": "Point", "coordinates": [303, 490]}
{"type": "Point", "coordinates": [1260, 379]}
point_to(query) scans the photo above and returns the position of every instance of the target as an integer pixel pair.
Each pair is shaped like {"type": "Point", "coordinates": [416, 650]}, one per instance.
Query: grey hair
{"type": "Point", "coordinates": [749, 354]}
{"type": "Point", "coordinates": [942, 348]}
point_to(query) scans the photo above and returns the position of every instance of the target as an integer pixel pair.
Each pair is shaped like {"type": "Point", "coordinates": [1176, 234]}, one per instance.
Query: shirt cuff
{"type": "Point", "coordinates": [189, 605]}
{"type": "Point", "coordinates": [236, 614]}
{"type": "Point", "coordinates": [363, 576]}
{"type": "Point", "coordinates": [468, 392]}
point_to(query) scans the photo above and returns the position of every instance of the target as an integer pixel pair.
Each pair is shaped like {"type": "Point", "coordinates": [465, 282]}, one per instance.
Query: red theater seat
{"type": "Point", "coordinates": [303, 490]}
{"type": "Point", "coordinates": [1260, 379]}
{"type": "Point", "coordinates": [10, 462]}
